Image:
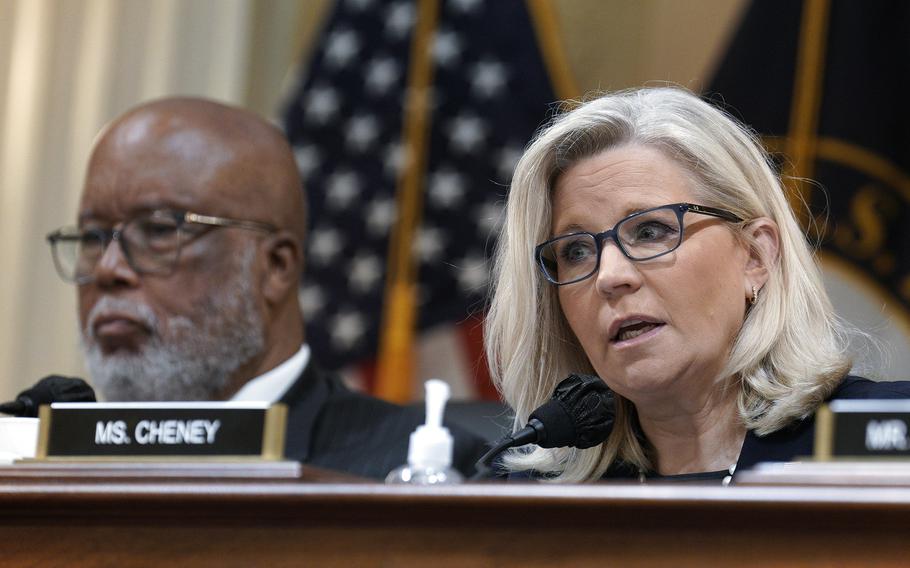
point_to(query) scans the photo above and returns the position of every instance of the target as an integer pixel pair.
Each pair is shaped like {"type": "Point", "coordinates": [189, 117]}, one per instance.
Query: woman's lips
{"type": "Point", "coordinates": [636, 334]}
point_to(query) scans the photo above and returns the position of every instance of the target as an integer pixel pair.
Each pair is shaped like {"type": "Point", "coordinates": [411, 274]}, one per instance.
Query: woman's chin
{"type": "Point", "coordinates": [642, 387]}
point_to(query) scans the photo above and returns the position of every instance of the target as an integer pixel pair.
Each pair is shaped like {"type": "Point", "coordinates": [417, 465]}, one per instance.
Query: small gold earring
{"type": "Point", "coordinates": [754, 296]}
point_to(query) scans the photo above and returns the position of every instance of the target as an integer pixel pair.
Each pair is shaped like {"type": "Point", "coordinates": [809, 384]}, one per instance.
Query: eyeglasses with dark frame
{"type": "Point", "coordinates": [644, 235]}
{"type": "Point", "coordinates": [151, 242]}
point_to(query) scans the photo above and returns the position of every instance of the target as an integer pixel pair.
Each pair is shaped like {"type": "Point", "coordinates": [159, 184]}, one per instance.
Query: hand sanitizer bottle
{"type": "Point", "coordinates": [430, 449]}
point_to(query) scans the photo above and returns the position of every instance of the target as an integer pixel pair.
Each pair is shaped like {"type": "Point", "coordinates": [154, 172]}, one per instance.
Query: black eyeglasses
{"type": "Point", "coordinates": [641, 236]}
{"type": "Point", "coordinates": [150, 242]}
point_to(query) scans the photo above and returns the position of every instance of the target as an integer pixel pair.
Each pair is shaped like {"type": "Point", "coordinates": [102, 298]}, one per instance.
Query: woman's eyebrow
{"type": "Point", "coordinates": [575, 227]}
{"type": "Point", "coordinates": [572, 228]}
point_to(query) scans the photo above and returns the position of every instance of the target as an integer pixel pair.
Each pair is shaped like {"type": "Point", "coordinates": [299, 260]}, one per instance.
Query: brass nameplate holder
{"type": "Point", "coordinates": [850, 429]}
{"type": "Point", "coordinates": [184, 431]}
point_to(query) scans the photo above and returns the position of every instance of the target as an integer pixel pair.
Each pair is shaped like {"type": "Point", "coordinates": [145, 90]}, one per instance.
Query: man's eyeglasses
{"type": "Point", "coordinates": [641, 236]}
{"type": "Point", "coordinates": [150, 242]}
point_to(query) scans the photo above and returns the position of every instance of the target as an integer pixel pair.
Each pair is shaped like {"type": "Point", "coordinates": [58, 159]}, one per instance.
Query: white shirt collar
{"type": "Point", "coordinates": [271, 386]}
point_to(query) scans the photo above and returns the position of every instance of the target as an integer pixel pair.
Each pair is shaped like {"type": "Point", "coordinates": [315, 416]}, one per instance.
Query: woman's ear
{"type": "Point", "coordinates": [763, 238]}
{"type": "Point", "coordinates": [284, 263]}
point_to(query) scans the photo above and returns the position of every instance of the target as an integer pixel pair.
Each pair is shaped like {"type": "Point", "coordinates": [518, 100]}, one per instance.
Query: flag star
{"type": "Point", "coordinates": [340, 47]}
{"type": "Point", "coordinates": [325, 244]}
{"type": "Point", "coordinates": [343, 187]}
{"type": "Point", "coordinates": [307, 158]}
{"type": "Point", "coordinates": [321, 104]}
{"type": "Point", "coordinates": [361, 132]}
{"type": "Point", "coordinates": [464, 6]}
{"type": "Point", "coordinates": [396, 159]}
{"type": "Point", "coordinates": [446, 188]}
{"type": "Point", "coordinates": [466, 132]}
{"type": "Point", "coordinates": [400, 19]}
{"type": "Point", "coordinates": [364, 272]}
{"type": "Point", "coordinates": [446, 48]}
{"type": "Point", "coordinates": [359, 5]}
{"type": "Point", "coordinates": [488, 78]}
{"type": "Point", "coordinates": [473, 274]}
{"type": "Point", "coordinates": [312, 299]}
{"type": "Point", "coordinates": [381, 75]}
{"type": "Point", "coordinates": [346, 329]}
{"type": "Point", "coordinates": [429, 244]}
{"type": "Point", "coordinates": [381, 214]}
{"type": "Point", "coordinates": [490, 217]}
{"type": "Point", "coordinates": [506, 162]}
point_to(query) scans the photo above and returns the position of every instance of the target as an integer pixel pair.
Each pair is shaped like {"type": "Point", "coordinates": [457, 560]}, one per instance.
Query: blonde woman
{"type": "Point", "coordinates": [649, 241]}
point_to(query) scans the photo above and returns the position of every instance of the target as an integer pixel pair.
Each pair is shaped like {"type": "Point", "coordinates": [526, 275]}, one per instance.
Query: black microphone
{"type": "Point", "coordinates": [579, 415]}
{"type": "Point", "coordinates": [49, 389]}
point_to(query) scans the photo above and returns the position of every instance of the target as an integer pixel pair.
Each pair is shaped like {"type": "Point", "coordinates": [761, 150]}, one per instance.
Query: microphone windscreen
{"type": "Point", "coordinates": [55, 388]}
{"type": "Point", "coordinates": [64, 389]}
{"type": "Point", "coordinates": [580, 414]}
{"type": "Point", "coordinates": [559, 426]}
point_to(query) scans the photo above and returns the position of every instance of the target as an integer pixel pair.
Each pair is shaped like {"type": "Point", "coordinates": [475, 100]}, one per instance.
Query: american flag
{"type": "Point", "coordinates": [489, 92]}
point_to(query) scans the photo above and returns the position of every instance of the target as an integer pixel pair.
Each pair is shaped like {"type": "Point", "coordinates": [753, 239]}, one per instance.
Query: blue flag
{"type": "Point", "coordinates": [826, 88]}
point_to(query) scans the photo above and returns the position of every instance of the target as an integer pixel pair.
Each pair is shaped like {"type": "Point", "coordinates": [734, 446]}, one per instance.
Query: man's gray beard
{"type": "Point", "coordinates": [201, 351]}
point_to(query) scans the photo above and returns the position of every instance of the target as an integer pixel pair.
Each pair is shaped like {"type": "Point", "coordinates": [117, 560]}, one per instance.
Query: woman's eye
{"type": "Point", "coordinates": [576, 251]}
{"type": "Point", "coordinates": [652, 231]}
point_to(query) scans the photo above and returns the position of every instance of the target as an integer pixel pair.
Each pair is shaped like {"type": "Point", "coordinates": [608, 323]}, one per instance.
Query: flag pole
{"type": "Point", "coordinates": [546, 27]}
{"type": "Point", "coordinates": [395, 366]}
{"type": "Point", "coordinates": [806, 104]}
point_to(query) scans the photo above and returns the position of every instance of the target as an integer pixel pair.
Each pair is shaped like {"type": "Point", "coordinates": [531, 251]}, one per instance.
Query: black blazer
{"type": "Point", "coordinates": [787, 444]}
{"type": "Point", "coordinates": [797, 440]}
{"type": "Point", "coordinates": [332, 427]}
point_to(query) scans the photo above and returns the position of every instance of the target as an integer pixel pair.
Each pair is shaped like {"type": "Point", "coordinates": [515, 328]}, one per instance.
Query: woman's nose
{"type": "Point", "coordinates": [617, 274]}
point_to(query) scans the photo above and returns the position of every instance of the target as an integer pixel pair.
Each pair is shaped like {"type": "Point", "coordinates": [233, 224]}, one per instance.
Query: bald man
{"type": "Point", "coordinates": [187, 256]}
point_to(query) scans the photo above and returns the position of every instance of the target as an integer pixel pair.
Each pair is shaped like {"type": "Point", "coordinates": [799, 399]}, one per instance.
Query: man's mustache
{"type": "Point", "coordinates": [106, 306]}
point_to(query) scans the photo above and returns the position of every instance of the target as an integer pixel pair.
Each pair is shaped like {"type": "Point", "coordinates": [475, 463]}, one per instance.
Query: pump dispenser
{"type": "Point", "coordinates": [430, 448]}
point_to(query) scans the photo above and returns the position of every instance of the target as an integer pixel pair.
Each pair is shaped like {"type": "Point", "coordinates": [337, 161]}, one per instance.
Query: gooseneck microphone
{"type": "Point", "coordinates": [580, 415]}
{"type": "Point", "coordinates": [46, 391]}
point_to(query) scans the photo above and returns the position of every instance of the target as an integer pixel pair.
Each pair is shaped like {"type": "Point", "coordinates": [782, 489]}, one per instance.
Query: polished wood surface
{"type": "Point", "coordinates": [159, 520]}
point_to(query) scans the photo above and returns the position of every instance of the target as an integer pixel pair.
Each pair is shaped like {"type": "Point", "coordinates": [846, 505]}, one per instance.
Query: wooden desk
{"type": "Point", "coordinates": [92, 520]}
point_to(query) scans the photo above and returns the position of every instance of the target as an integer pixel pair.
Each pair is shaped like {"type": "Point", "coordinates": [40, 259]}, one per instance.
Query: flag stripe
{"type": "Point", "coordinates": [471, 332]}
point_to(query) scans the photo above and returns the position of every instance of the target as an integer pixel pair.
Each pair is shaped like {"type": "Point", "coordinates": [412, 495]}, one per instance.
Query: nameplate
{"type": "Point", "coordinates": [863, 428]}
{"type": "Point", "coordinates": [181, 430]}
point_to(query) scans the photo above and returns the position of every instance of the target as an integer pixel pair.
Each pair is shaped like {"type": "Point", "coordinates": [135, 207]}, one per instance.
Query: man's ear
{"type": "Point", "coordinates": [284, 262]}
{"type": "Point", "coordinates": [763, 238]}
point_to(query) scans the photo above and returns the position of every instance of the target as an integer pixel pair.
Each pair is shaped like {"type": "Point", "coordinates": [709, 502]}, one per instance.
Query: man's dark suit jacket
{"type": "Point", "coordinates": [332, 427]}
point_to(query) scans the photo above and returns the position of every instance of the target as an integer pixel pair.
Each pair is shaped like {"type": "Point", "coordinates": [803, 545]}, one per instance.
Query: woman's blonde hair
{"type": "Point", "coordinates": [790, 352]}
